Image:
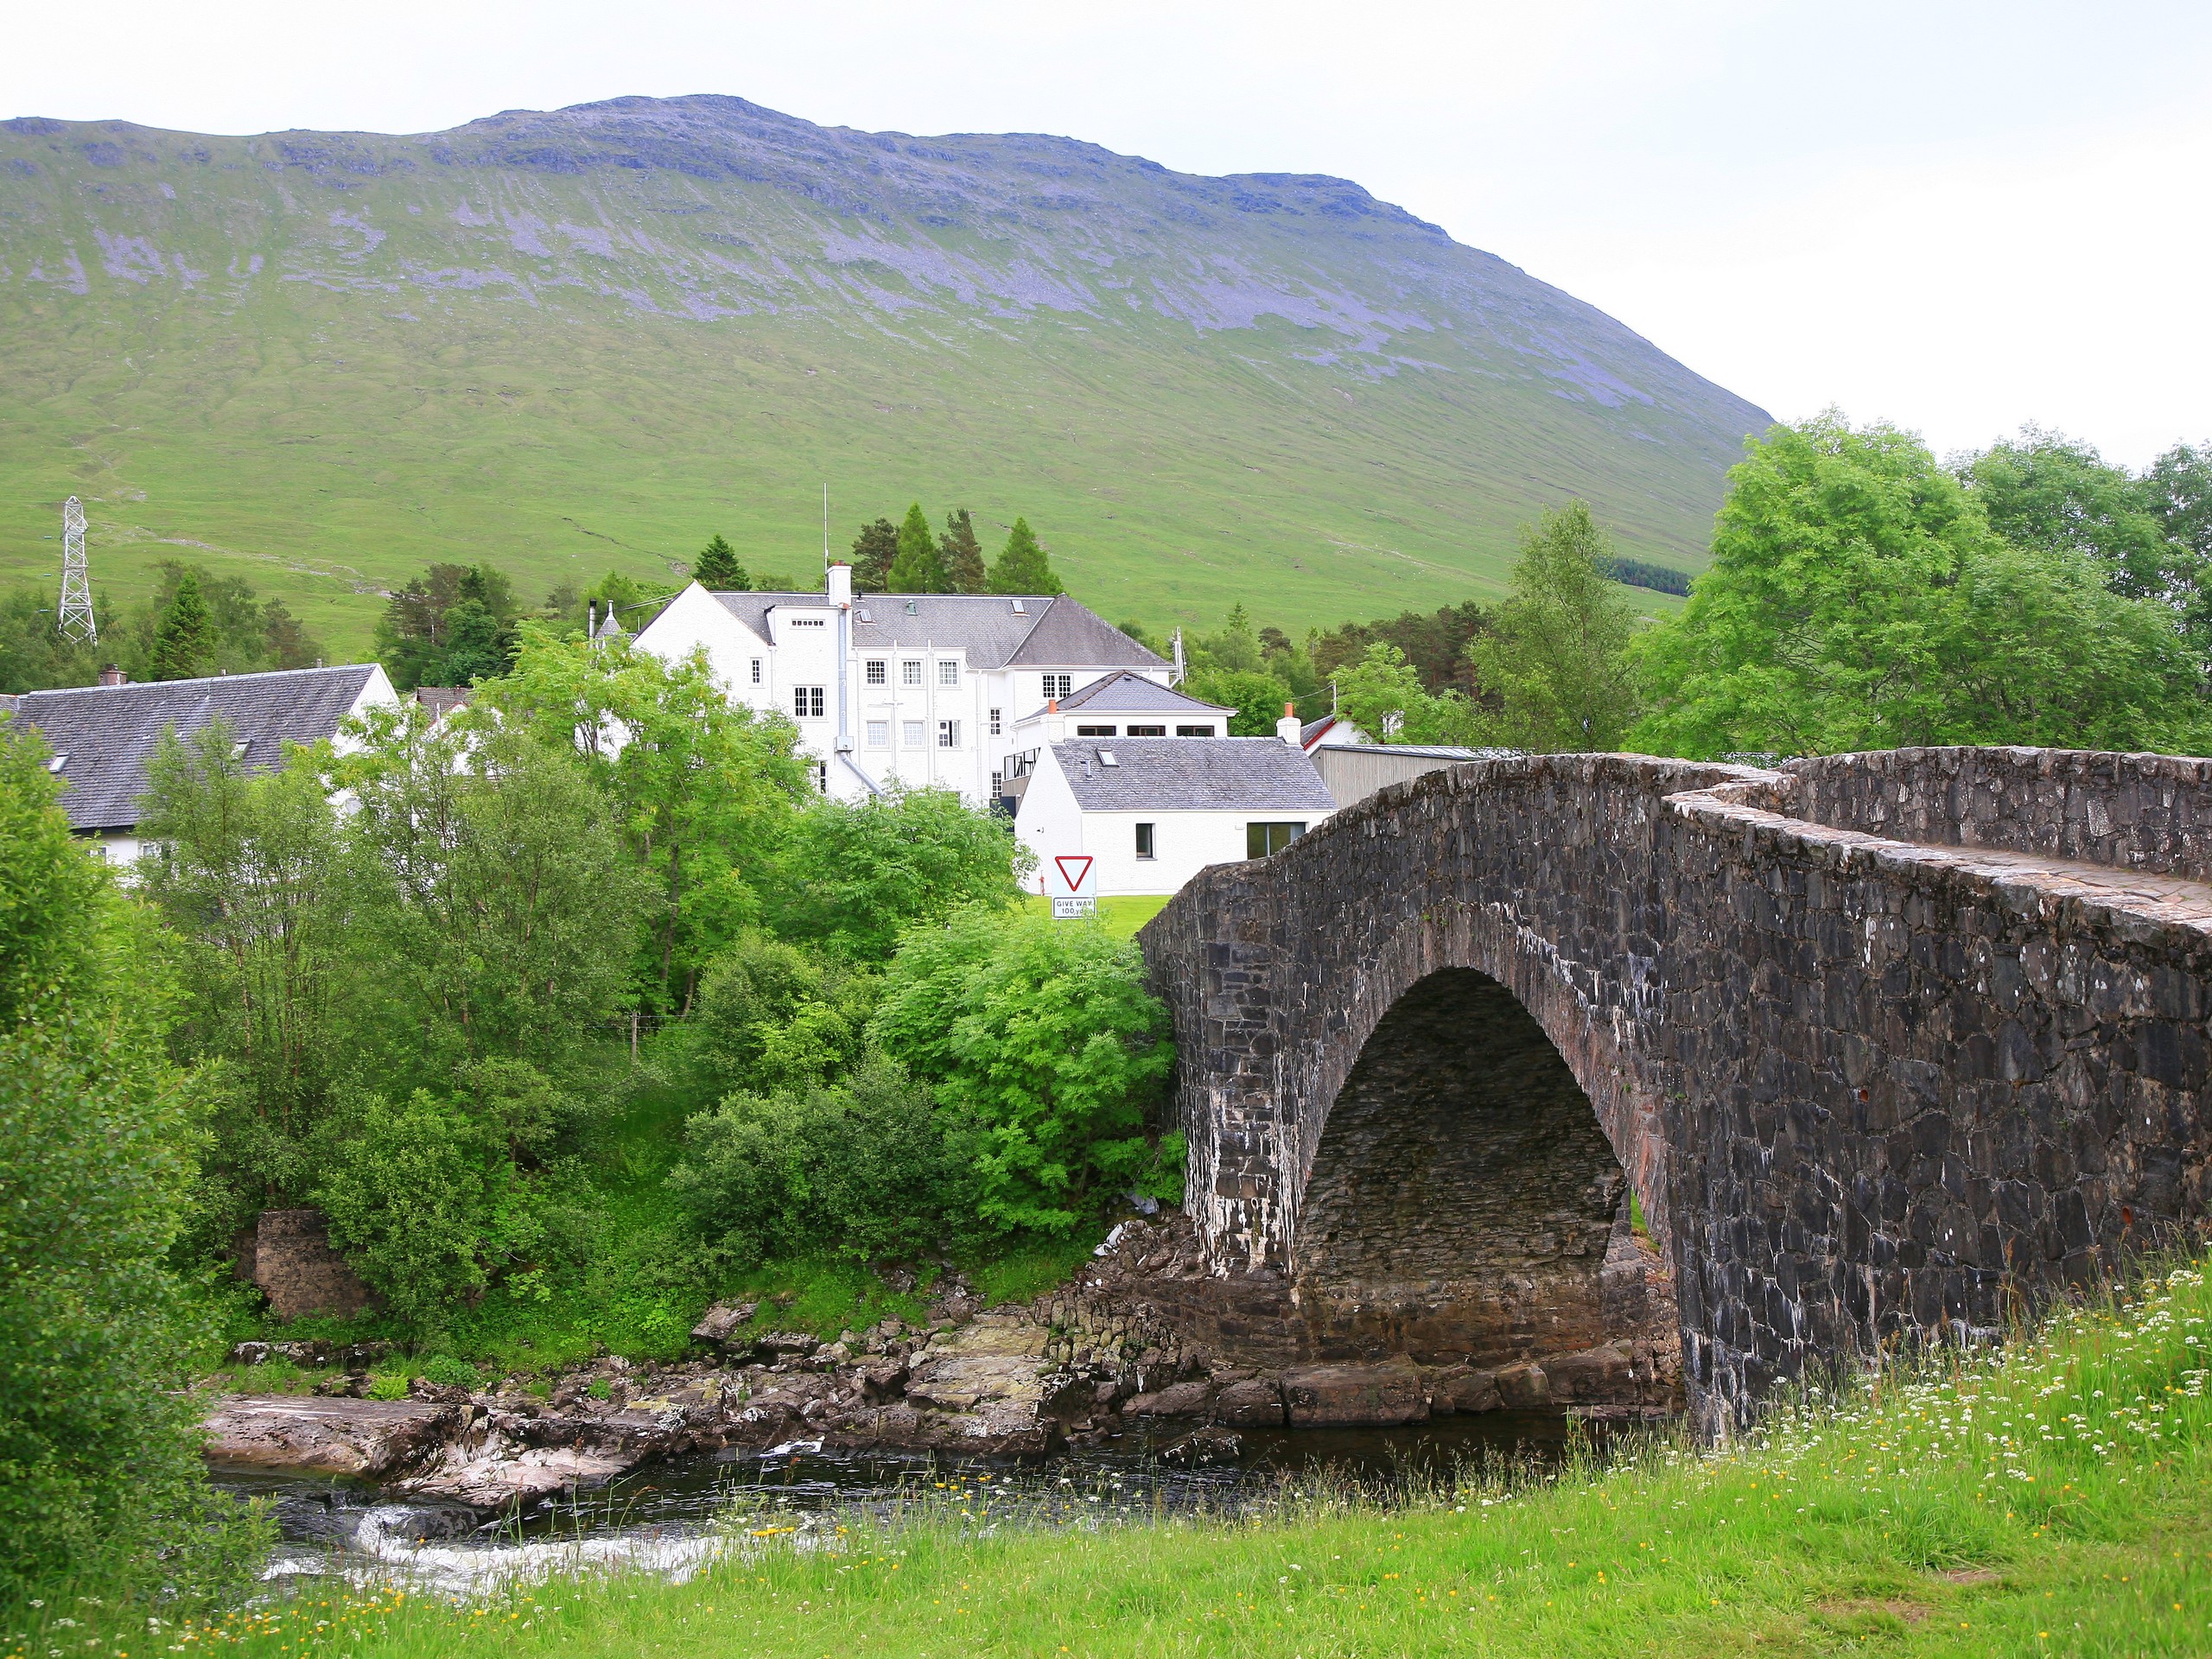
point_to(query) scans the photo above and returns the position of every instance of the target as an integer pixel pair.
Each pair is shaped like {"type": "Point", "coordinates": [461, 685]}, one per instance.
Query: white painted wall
{"type": "Point", "coordinates": [1050, 823]}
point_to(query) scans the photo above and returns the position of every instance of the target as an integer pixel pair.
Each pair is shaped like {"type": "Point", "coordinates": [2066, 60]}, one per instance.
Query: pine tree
{"type": "Point", "coordinates": [962, 553]}
{"type": "Point", "coordinates": [1022, 566]}
{"type": "Point", "coordinates": [183, 638]}
{"type": "Point", "coordinates": [873, 550]}
{"type": "Point", "coordinates": [717, 569]}
{"type": "Point", "coordinates": [919, 568]}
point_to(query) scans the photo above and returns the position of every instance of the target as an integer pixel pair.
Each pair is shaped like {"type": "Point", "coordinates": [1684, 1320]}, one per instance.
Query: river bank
{"type": "Point", "coordinates": [2050, 1498]}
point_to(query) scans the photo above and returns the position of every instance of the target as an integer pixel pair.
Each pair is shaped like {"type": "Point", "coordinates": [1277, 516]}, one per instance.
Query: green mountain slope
{"type": "Point", "coordinates": [585, 340]}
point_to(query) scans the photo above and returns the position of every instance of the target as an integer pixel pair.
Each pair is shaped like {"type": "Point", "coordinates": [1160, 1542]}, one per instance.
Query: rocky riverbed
{"type": "Point", "coordinates": [1078, 1369]}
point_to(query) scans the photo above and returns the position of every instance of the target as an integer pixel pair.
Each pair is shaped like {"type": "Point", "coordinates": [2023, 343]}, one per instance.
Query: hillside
{"type": "Point", "coordinates": [585, 340]}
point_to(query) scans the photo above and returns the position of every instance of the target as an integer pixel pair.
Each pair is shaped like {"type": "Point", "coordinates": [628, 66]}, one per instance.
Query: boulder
{"type": "Point", "coordinates": [1594, 1377]}
{"type": "Point", "coordinates": [366, 1439]}
{"type": "Point", "coordinates": [1179, 1399]}
{"type": "Point", "coordinates": [1524, 1387]}
{"type": "Point", "coordinates": [1354, 1396]}
{"type": "Point", "coordinates": [719, 1322]}
{"type": "Point", "coordinates": [1462, 1388]}
{"type": "Point", "coordinates": [1255, 1403]}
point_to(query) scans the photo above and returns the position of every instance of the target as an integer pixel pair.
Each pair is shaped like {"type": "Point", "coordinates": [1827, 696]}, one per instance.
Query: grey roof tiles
{"type": "Point", "coordinates": [1125, 692]}
{"type": "Point", "coordinates": [104, 734]}
{"type": "Point", "coordinates": [1192, 774]}
{"type": "Point", "coordinates": [1047, 633]}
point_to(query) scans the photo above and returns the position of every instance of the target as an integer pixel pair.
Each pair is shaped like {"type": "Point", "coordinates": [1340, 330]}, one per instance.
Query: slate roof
{"type": "Point", "coordinates": [1048, 632]}
{"type": "Point", "coordinates": [104, 734]}
{"type": "Point", "coordinates": [1424, 750]}
{"type": "Point", "coordinates": [1125, 692]}
{"type": "Point", "coordinates": [1192, 774]}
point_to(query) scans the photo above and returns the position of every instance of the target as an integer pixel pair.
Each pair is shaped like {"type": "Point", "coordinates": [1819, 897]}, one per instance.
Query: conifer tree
{"type": "Point", "coordinates": [717, 569]}
{"type": "Point", "coordinates": [919, 568]}
{"type": "Point", "coordinates": [1022, 566]}
{"type": "Point", "coordinates": [183, 638]}
{"type": "Point", "coordinates": [962, 553]}
{"type": "Point", "coordinates": [873, 550]}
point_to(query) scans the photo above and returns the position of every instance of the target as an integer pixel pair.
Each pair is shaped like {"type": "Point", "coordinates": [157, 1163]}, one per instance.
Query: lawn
{"type": "Point", "coordinates": [2050, 1498]}
{"type": "Point", "coordinates": [1120, 917]}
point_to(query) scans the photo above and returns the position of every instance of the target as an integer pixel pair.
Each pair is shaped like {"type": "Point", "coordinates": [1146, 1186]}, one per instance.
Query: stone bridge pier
{"type": "Point", "coordinates": [1877, 1049]}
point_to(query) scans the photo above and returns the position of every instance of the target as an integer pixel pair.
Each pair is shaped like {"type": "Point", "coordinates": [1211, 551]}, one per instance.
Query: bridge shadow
{"type": "Point", "coordinates": [1465, 1206]}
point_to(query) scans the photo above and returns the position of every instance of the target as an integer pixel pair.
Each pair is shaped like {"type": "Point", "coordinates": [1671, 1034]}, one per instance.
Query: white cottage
{"type": "Point", "coordinates": [1153, 811]}
{"type": "Point", "coordinates": [919, 689]}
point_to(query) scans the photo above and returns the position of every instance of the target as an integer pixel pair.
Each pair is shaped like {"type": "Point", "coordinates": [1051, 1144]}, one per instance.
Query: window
{"type": "Point", "coordinates": [809, 622]}
{"type": "Point", "coordinates": [1094, 731]}
{"type": "Point", "coordinates": [756, 671]}
{"type": "Point", "coordinates": [1058, 685]}
{"type": "Point", "coordinates": [947, 673]}
{"type": "Point", "coordinates": [1147, 731]}
{"type": "Point", "coordinates": [1264, 840]}
{"type": "Point", "coordinates": [1194, 731]}
{"type": "Point", "coordinates": [910, 673]}
{"type": "Point", "coordinates": [1144, 842]}
{"type": "Point", "coordinates": [822, 777]}
{"type": "Point", "coordinates": [807, 701]}
{"type": "Point", "coordinates": [948, 733]}
{"type": "Point", "coordinates": [879, 734]}
{"type": "Point", "coordinates": [879, 673]}
{"type": "Point", "coordinates": [910, 734]}
{"type": "Point", "coordinates": [998, 783]}
{"type": "Point", "coordinates": [997, 725]}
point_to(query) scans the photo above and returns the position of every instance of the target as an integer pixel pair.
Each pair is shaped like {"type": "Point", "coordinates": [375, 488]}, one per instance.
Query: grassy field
{"type": "Point", "coordinates": [1120, 917]}
{"type": "Point", "coordinates": [321, 376]}
{"type": "Point", "coordinates": [2051, 1498]}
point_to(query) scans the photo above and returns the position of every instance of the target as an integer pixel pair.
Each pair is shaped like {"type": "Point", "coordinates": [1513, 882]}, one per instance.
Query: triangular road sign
{"type": "Point", "coordinates": [1075, 870]}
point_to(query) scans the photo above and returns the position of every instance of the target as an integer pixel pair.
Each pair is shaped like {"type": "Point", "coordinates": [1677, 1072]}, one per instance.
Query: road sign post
{"type": "Point", "coordinates": [1072, 881]}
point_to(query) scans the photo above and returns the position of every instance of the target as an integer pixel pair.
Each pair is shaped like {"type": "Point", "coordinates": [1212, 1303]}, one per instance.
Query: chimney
{"type": "Point", "coordinates": [1055, 727]}
{"type": "Point", "coordinates": [839, 586]}
{"type": "Point", "coordinates": [113, 675]}
{"type": "Point", "coordinates": [1288, 728]}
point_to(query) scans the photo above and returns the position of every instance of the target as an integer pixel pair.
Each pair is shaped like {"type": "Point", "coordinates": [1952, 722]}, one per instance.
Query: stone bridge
{"type": "Point", "coordinates": [1885, 1046]}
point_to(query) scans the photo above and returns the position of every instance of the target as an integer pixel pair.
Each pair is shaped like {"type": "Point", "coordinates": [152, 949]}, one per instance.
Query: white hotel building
{"type": "Point", "coordinates": [918, 689]}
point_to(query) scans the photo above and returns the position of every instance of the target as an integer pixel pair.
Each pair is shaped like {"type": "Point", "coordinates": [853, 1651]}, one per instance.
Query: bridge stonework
{"type": "Point", "coordinates": [1888, 1046]}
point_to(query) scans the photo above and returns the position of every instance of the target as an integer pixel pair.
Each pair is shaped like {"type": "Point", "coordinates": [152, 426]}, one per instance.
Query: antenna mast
{"type": "Point", "coordinates": [75, 620]}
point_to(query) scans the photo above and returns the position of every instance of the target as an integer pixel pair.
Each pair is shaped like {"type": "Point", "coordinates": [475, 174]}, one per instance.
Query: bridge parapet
{"type": "Point", "coordinates": [1868, 1089]}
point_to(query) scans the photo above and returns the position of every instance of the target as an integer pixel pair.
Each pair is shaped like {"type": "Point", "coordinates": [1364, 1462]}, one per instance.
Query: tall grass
{"type": "Point", "coordinates": [2047, 1497]}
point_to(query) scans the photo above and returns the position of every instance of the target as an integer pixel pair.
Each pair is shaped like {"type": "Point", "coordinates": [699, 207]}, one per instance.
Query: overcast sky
{"type": "Point", "coordinates": [1960, 216]}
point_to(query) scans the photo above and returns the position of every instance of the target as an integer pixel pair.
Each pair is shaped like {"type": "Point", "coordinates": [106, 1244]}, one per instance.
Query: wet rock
{"type": "Point", "coordinates": [1354, 1396]}
{"type": "Point", "coordinates": [1208, 1448]}
{"type": "Point", "coordinates": [249, 1353]}
{"type": "Point", "coordinates": [422, 1388]}
{"type": "Point", "coordinates": [883, 1380]}
{"type": "Point", "coordinates": [1595, 1375]}
{"type": "Point", "coordinates": [370, 1440]}
{"type": "Point", "coordinates": [1253, 1403]}
{"type": "Point", "coordinates": [1524, 1387]}
{"type": "Point", "coordinates": [1463, 1387]}
{"type": "Point", "coordinates": [1179, 1399]}
{"type": "Point", "coordinates": [721, 1321]}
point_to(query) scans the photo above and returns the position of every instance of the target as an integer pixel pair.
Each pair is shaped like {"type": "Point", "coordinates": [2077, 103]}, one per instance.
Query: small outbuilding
{"type": "Point", "coordinates": [1153, 811]}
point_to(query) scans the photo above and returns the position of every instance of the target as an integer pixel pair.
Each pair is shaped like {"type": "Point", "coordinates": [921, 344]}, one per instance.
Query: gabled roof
{"type": "Point", "coordinates": [104, 734]}
{"type": "Point", "coordinates": [1048, 632]}
{"type": "Point", "coordinates": [1189, 774]}
{"type": "Point", "coordinates": [1124, 692]}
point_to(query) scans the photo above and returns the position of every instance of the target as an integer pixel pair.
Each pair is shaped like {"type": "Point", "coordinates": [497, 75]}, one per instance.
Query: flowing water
{"type": "Point", "coordinates": [674, 1517]}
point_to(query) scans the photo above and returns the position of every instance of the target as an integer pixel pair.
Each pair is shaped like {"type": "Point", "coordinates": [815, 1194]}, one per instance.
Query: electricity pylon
{"type": "Point", "coordinates": [76, 620]}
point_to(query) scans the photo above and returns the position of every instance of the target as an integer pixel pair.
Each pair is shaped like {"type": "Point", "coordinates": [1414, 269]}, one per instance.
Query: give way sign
{"type": "Point", "coordinates": [1071, 876]}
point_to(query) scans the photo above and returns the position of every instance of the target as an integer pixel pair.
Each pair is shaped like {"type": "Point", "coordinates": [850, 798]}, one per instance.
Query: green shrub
{"type": "Point", "coordinates": [1041, 1036]}
{"type": "Point", "coordinates": [773, 1016]}
{"type": "Point", "coordinates": [864, 1167]}
{"type": "Point", "coordinates": [450, 1373]}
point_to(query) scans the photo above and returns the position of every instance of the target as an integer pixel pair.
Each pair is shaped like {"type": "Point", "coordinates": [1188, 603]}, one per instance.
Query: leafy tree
{"type": "Point", "coordinates": [1436, 644]}
{"type": "Point", "coordinates": [717, 569]}
{"type": "Point", "coordinates": [2177, 489]}
{"type": "Point", "coordinates": [874, 550]}
{"type": "Point", "coordinates": [249, 871]}
{"type": "Point", "coordinates": [1556, 653]}
{"type": "Point", "coordinates": [2046, 492]}
{"type": "Point", "coordinates": [774, 1016]}
{"type": "Point", "coordinates": [701, 789]}
{"type": "Point", "coordinates": [34, 656]}
{"type": "Point", "coordinates": [1382, 694]}
{"type": "Point", "coordinates": [961, 554]}
{"type": "Point", "coordinates": [450, 626]}
{"type": "Point", "coordinates": [245, 634]}
{"type": "Point", "coordinates": [855, 875]}
{"type": "Point", "coordinates": [628, 599]}
{"type": "Point", "coordinates": [1021, 566]}
{"type": "Point", "coordinates": [919, 567]}
{"type": "Point", "coordinates": [1256, 698]}
{"type": "Point", "coordinates": [183, 646]}
{"type": "Point", "coordinates": [1044, 1036]}
{"type": "Point", "coordinates": [1857, 599]}
{"type": "Point", "coordinates": [863, 1167]}
{"type": "Point", "coordinates": [101, 1484]}
{"type": "Point", "coordinates": [1235, 649]}
{"type": "Point", "coordinates": [496, 912]}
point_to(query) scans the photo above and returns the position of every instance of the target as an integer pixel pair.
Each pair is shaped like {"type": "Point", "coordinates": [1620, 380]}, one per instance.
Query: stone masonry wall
{"type": "Point", "coordinates": [1867, 1091]}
